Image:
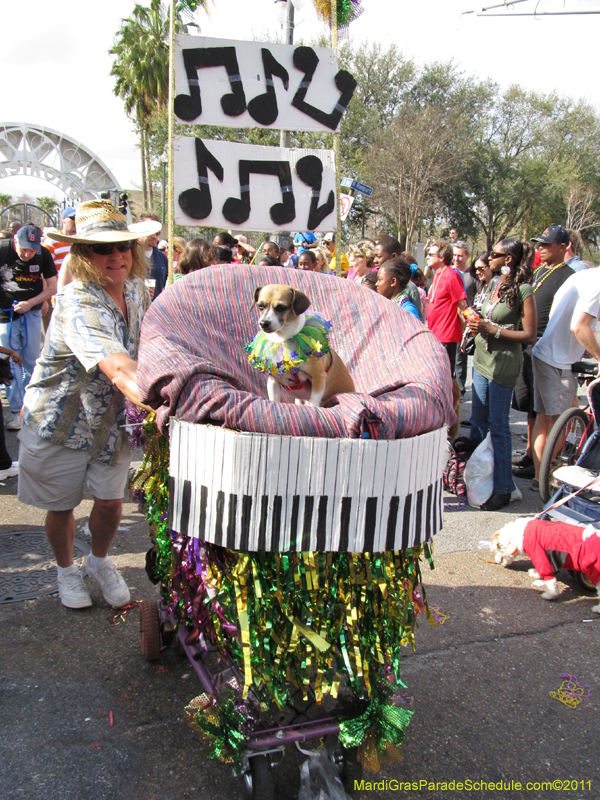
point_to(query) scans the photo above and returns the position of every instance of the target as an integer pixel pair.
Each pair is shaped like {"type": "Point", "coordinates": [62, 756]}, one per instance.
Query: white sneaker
{"type": "Point", "coordinates": [515, 495]}
{"type": "Point", "coordinates": [71, 590]}
{"type": "Point", "coordinates": [13, 423]}
{"type": "Point", "coordinates": [10, 472]}
{"type": "Point", "coordinates": [113, 586]}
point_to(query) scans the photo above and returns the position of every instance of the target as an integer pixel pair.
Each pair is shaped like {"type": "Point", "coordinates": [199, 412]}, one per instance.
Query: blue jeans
{"type": "Point", "coordinates": [490, 412]}
{"type": "Point", "coordinates": [23, 334]}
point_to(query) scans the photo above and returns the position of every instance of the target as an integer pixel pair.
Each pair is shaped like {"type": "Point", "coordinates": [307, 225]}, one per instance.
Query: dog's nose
{"type": "Point", "coordinates": [265, 325]}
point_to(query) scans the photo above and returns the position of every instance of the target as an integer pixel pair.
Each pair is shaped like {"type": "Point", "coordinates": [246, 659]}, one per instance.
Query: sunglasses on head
{"type": "Point", "coordinates": [106, 249]}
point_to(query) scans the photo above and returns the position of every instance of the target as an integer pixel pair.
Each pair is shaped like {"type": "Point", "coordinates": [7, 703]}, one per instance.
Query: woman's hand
{"type": "Point", "coordinates": [481, 326]}
{"type": "Point", "coordinates": [16, 358]}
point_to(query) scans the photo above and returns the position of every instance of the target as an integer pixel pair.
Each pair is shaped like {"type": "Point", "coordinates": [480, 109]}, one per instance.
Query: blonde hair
{"type": "Point", "coordinates": [325, 254]}
{"type": "Point", "coordinates": [82, 267]}
{"type": "Point", "coordinates": [179, 243]}
{"type": "Point", "coordinates": [363, 249]}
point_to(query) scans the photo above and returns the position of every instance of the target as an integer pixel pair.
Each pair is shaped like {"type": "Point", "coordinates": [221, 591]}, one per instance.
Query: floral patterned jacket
{"type": "Point", "coordinates": [69, 400]}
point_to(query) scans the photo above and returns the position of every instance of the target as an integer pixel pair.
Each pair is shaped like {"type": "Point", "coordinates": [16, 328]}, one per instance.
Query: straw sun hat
{"type": "Point", "coordinates": [99, 221]}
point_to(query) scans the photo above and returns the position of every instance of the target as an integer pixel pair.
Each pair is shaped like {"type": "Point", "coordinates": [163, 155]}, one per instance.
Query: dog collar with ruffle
{"type": "Point", "coordinates": [277, 358]}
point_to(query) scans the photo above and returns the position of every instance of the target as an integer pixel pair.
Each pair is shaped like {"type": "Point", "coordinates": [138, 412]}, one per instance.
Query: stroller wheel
{"type": "Point", "coordinates": [149, 630]}
{"type": "Point", "coordinates": [563, 447]}
{"type": "Point", "coordinates": [585, 582]}
{"type": "Point", "coordinates": [258, 781]}
{"type": "Point", "coordinates": [351, 769]}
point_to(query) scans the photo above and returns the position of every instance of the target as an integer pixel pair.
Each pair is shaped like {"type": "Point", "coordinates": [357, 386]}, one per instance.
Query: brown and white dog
{"type": "Point", "coordinates": [283, 315]}
{"type": "Point", "coordinates": [533, 537]}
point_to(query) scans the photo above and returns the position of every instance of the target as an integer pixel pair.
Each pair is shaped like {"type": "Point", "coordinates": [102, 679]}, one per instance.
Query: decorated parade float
{"type": "Point", "coordinates": [288, 540]}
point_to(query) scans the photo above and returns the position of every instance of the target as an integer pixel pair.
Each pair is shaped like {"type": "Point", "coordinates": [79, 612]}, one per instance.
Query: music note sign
{"type": "Point", "coordinates": [253, 84]}
{"type": "Point", "coordinates": [251, 187]}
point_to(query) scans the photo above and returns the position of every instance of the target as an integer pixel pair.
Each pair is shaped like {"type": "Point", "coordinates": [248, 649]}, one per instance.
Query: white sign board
{"type": "Point", "coordinates": [255, 84]}
{"type": "Point", "coordinates": [346, 201]}
{"type": "Point", "coordinates": [252, 187]}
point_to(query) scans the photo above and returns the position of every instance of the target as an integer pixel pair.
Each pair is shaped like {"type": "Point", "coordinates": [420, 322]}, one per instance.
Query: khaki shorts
{"type": "Point", "coordinates": [553, 388]}
{"type": "Point", "coordinates": [53, 477]}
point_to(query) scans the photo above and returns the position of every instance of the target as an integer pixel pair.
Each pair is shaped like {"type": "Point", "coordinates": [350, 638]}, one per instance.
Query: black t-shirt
{"type": "Point", "coordinates": [21, 280]}
{"type": "Point", "coordinates": [544, 290]}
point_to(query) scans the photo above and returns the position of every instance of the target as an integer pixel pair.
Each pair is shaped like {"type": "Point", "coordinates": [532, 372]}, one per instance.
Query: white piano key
{"type": "Point", "coordinates": [306, 512]}
{"type": "Point", "coordinates": [352, 492]}
{"type": "Point", "coordinates": [258, 478]}
{"type": "Point", "coordinates": [345, 447]}
{"type": "Point", "coordinates": [329, 482]}
{"type": "Point", "coordinates": [379, 484]}
{"type": "Point", "coordinates": [292, 518]}
{"type": "Point", "coordinates": [315, 487]}
{"type": "Point", "coordinates": [282, 490]}
{"type": "Point", "coordinates": [271, 483]}
{"type": "Point", "coordinates": [367, 449]}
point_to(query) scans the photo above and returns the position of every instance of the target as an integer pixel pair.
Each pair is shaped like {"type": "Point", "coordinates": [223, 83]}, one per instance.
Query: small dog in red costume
{"type": "Point", "coordinates": [532, 537]}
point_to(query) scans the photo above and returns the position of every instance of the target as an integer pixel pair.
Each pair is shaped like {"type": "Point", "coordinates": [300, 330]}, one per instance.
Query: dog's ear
{"type": "Point", "coordinates": [300, 302]}
{"type": "Point", "coordinates": [257, 291]}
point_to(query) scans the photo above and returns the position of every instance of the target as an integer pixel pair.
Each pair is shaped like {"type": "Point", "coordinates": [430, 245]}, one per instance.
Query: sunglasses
{"type": "Point", "coordinates": [106, 249]}
{"type": "Point", "coordinates": [498, 255]}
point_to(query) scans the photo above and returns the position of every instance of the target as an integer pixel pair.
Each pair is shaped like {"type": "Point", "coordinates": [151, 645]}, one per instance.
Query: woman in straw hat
{"type": "Point", "coordinates": [73, 414]}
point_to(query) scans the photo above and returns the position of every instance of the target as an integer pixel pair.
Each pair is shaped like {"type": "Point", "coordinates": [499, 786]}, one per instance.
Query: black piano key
{"type": "Point", "coordinates": [309, 504]}
{"type": "Point", "coordinates": [171, 502]}
{"type": "Point", "coordinates": [406, 521]}
{"type": "Point", "coordinates": [276, 524]}
{"type": "Point", "coordinates": [370, 523]}
{"type": "Point", "coordinates": [186, 501]}
{"type": "Point", "coordinates": [246, 515]}
{"type": "Point", "coordinates": [231, 522]}
{"type": "Point", "coordinates": [294, 523]}
{"type": "Point", "coordinates": [390, 538]}
{"type": "Point", "coordinates": [262, 527]}
{"type": "Point", "coordinates": [440, 503]}
{"type": "Point", "coordinates": [203, 509]}
{"type": "Point", "coordinates": [345, 523]}
{"type": "Point", "coordinates": [428, 520]}
{"type": "Point", "coordinates": [219, 518]}
{"type": "Point", "coordinates": [435, 510]}
{"type": "Point", "coordinates": [419, 519]}
{"type": "Point", "coordinates": [322, 524]}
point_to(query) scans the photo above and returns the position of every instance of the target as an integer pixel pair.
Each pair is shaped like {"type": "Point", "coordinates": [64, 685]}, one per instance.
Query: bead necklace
{"type": "Point", "coordinates": [537, 282]}
{"type": "Point", "coordinates": [435, 284]}
{"type": "Point", "coordinates": [494, 285]}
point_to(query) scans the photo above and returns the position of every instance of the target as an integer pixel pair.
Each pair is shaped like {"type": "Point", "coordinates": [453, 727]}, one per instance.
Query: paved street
{"type": "Point", "coordinates": [481, 683]}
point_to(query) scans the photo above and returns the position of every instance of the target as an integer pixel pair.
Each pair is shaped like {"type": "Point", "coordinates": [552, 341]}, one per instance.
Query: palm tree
{"type": "Point", "coordinates": [141, 68]}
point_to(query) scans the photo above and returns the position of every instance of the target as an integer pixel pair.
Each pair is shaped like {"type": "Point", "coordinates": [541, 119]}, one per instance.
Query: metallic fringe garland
{"type": "Point", "coordinates": [347, 11]}
{"type": "Point", "coordinates": [325, 623]}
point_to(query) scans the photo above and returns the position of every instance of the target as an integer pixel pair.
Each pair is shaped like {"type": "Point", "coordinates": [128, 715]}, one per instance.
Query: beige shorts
{"type": "Point", "coordinates": [553, 388]}
{"type": "Point", "coordinates": [53, 477]}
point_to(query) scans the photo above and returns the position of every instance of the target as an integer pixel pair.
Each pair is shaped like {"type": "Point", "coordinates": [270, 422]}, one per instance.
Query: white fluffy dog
{"type": "Point", "coordinates": [532, 537]}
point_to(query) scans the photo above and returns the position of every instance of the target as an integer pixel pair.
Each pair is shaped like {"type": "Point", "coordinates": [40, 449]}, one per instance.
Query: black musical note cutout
{"type": "Point", "coordinates": [237, 210]}
{"type": "Point", "coordinates": [189, 107]}
{"type": "Point", "coordinates": [306, 60]}
{"type": "Point", "coordinates": [263, 108]}
{"type": "Point", "coordinates": [197, 203]}
{"type": "Point", "coordinates": [310, 170]}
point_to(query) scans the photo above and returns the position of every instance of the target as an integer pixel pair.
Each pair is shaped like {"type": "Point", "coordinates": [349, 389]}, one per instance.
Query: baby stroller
{"type": "Point", "coordinates": [577, 499]}
{"type": "Point", "coordinates": [288, 537]}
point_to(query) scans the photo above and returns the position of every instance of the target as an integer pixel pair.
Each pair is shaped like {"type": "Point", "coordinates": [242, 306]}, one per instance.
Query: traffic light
{"type": "Point", "coordinates": [105, 195]}
{"type": "Point", "coordinates": [123, 203]}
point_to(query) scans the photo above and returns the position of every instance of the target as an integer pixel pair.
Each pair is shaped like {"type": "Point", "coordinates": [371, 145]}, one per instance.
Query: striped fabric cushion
{"type": "Point", "coordinates": [192, 358]}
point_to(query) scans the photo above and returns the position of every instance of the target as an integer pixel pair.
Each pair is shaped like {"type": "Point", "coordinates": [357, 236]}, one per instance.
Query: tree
{"type": "Point", "coordinates": [407, 162]}
{"type": "Point", "coordinates": [5, 200]}
{"type": "Point", "coordinates": [141, 69]}
{"type": "Point", "coordinates": [48, 204]}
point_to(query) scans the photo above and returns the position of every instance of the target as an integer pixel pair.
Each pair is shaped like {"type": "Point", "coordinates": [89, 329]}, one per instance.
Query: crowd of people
{"type": "Point", "coordinates": [525, 311]}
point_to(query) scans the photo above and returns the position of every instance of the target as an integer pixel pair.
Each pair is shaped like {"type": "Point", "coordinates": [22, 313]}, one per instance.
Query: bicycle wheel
{"type": "Point", "coordinates": [563, 447]}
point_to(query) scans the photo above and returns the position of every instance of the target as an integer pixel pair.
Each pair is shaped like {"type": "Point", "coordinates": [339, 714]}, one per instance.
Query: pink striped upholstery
{"type": "Point", "coordinates": [192, 358]}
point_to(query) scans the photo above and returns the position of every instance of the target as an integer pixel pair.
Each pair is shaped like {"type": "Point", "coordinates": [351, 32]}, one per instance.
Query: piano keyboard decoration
{"type": "Point", "coordinates": [260, 492]}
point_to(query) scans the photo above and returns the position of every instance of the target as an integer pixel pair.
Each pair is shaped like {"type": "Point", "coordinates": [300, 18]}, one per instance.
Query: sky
{"type": "Point", "coordinates": [56, 65]}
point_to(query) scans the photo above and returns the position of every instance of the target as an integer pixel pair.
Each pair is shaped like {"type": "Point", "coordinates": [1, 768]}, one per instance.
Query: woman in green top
{"type": "Point", "coordinates": [508, 321]}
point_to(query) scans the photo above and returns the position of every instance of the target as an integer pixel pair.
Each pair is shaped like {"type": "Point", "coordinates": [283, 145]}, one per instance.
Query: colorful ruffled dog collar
{"type": "Point", "coordinates": [278, 358]}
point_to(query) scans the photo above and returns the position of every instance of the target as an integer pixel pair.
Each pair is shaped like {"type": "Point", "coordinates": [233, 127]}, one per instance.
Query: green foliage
{"type": "Point", "coordinates": [5, 200]}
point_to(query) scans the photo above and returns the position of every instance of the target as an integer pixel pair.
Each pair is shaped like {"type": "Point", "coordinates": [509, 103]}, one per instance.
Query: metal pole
{"type": "Point", "coordinates": [284, 136]}
{"type": "Point", "coordinates": [337, 152]}
{"type": "Point", "coordinates": [164, 191]}
{"type": "Point", "coordinates": [171, 137]}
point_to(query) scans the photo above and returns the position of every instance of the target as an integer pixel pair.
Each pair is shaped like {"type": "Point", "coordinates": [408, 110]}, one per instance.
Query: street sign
{"type": "Point", "coordinates": [358, 187]}
{"type": "Point", "coordinates": [346, 201]}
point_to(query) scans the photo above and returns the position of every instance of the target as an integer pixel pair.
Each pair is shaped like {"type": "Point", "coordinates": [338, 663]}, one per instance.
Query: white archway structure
{"type": "Point", "coordinates": [49, 155]}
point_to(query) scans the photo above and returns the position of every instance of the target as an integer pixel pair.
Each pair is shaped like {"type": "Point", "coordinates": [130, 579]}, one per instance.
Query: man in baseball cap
{"type": "Point", "coordinates": [555, 234]}
{"type": "Point", "coordinates": [27, 279]}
